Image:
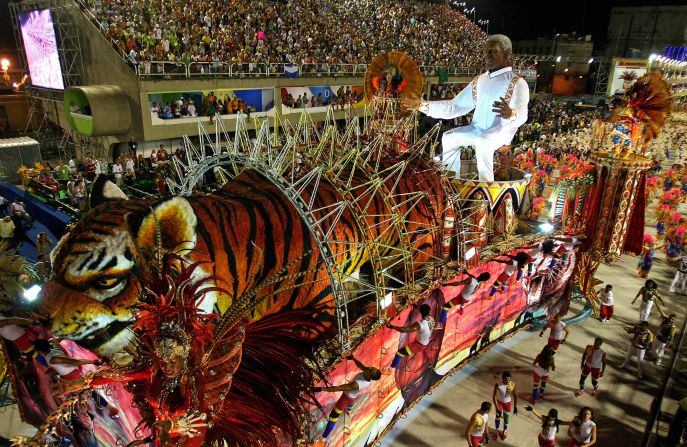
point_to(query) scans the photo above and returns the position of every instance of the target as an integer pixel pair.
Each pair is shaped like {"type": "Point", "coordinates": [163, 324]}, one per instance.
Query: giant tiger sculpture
{"type": "Point", "coordinates": [243, 233]}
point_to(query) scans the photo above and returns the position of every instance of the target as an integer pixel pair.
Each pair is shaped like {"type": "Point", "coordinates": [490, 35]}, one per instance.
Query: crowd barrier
{"type": "Point", "coordinates": [56, 221]}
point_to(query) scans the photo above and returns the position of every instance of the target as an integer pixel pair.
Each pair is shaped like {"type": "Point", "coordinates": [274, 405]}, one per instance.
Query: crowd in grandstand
{"type": "Point", "coordinates": [185, 107]}
{"type": "Point", "coordinates": [440, 92]}
{"type": "Point", "coordinates": [298, 32]}
{"type": "Point", "coordinates": [344, 96]}
{"type": "Point", "coordinates": [555, 129]}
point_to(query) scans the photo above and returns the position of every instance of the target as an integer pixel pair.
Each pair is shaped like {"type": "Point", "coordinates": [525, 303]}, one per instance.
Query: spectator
{"type": "Point", "coordinates": [6, 232]}
{"type": "Point", "coordinates": [117, 170]}
{"type": "Point", "coordinates": [18, 208]}
{"type": "Point", "coordinates": [4, 204]}
{"type": "Point", "coordinates": [43, 245]}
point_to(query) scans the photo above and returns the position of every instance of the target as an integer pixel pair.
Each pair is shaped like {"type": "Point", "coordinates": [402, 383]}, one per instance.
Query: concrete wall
{"type": "Point", "coordinates": [16, 109]}
{"type": "Point", "coordinates": [103, 66]}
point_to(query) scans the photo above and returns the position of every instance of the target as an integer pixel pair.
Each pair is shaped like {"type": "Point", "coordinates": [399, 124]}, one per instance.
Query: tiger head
{"type": "Point", "coordinates": [90, 298]}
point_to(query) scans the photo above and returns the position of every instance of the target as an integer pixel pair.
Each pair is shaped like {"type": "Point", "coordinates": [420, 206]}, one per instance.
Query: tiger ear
{"type": "Point", "coordinates": [104, 190]}
{"type": "Point", "coordinates": [175, 221]}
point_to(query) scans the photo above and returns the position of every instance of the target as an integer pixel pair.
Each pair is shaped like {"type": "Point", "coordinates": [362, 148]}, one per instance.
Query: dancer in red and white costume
{"type": "Point", "coordinates": [606, 300]}
{"type": "Point", "coordinates": [583, 429]}
{"type": "Point", "coordinates": [16, 330]}
{"type": "Point", "coordinates": [477, 431]}
{"type": "Point", "coordinates": [471, 283]}
{"type": "Point", "coordinates": [550, 426]}
{"type": "Point", "coordinates": [513, 263]}
{"type": "Point", "coordinates": [506, 401]}
{"type": "Point", "coordinates": [559, 332]}
{"type": "Point", "coordinates": [594, 363]}
{"type": "Point", "coordinates": [424, 329]}
{"type": "Point", "coordinates": [543, 364]}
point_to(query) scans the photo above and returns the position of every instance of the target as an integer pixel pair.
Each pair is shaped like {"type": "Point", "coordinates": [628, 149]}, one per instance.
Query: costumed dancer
{"type": "Point", "coordinates": [665, 335]}
{"type": "Point", "coordinates": [648, 293]}
{"type": "Point", "coordinates": [68, 368]}
{"type": "Point", "coordinates": [550, 426]}
{"type": "Point", "coordinates": [558, 332]}
{"type": "Point", "coordinates": [680, 279]}
{"type": "Point", "coordinates": [641, 340]}
{"type": "Point", "coordinates": [607, 301]}
{"type": "Point", "coordinates": [505, 400]}
{"type": "Point", "coordinates": [675, 246]}
{"type": "Point", "coordinates": [543, 364]}
{"type": "Point", "coordinates": [471, 283]}
{"type": "Point", "coordinates": [582, 429]}
{"type": "Point", "coordinates": [513, 263]}
{"type": "Point", "coordinates": [193, 397]}
{"type": "Point", "coordinates": [499, 98]}
{"type": "Point", "coordinates": [594, 363]}
{"type": "Point", "coordinates": [424, 329]}
{"type": "Point", "coordinates": [351, 391]}
{"type": "Point", "coordinates": [570, 242]}
{"type": "Point", "coordinates": [545, 248]}
{"type": "Point", "coordinates": [16, 330]}
{"type": "Point", "coordinates": [646, 259]}
{"type": "Point", "coordinates": [477, 430]}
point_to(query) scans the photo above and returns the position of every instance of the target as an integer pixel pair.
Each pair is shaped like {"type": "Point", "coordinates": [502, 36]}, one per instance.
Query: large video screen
{"type": "Point", "coordinates": [40, 46]}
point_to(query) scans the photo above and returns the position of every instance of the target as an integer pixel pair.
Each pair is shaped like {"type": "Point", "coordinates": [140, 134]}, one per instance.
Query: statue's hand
{"type": "Point", "coordinates": [410, 102]}
{"type": "Point", "coordinates": [502, 108]}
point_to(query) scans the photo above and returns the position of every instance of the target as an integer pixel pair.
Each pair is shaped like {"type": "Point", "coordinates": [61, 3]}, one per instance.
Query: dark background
{"type": "Point", "coordinates": [523, 19]}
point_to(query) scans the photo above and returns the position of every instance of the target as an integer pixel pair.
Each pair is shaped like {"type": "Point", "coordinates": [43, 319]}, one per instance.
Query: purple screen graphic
{"type": "Point", "coordinates": [40, 45]}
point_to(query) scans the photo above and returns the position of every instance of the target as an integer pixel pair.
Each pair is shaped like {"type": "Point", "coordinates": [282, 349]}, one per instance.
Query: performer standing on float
{"type": "Point", "coordinates": [424, 329]}
{"type": "Point", "coordinates": [517, 262]}
{"type": "Point", "coordinates": [499, 98]}
{"type": "Point", "coordinates": [351, 391]}
{"type": "Point", "coordinates": [471, 283]}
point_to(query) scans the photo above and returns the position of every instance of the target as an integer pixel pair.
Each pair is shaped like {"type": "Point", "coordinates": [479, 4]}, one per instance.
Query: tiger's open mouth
{"type": "Point", "coordinates": [102, 336]}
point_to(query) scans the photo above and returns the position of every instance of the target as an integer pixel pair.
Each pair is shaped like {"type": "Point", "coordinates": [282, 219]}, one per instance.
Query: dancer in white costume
{"type": "Point", "coordinates": [499, 98]}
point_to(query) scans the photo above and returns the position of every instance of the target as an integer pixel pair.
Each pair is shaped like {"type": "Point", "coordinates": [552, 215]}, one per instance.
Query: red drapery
{"type": "Point", "coordinates": [592, 208]}
{"type": "Point", "coordinates": [635, 232]}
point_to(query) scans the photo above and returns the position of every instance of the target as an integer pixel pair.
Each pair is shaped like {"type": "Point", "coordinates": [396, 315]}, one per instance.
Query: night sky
{"type": "Point", "coordinates": [520, 19]}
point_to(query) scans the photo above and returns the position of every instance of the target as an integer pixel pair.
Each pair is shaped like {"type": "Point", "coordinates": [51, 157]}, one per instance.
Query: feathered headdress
{"type": "Point", "coordinates": [394, 71]}
{"type": "Point", "coordinates": [239, 366]}
{"type": "Point", "coordinates": [648, 101]}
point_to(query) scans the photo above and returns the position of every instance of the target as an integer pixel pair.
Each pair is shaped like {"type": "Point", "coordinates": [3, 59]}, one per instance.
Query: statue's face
{"type": "Point", "coordinates": [495, 56]}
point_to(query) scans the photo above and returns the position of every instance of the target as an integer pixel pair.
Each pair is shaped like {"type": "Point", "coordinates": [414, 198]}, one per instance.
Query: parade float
{"type": "Point", "coordinates": [616, 204]}
{"type": "Point", "coordinates": [193, 303]}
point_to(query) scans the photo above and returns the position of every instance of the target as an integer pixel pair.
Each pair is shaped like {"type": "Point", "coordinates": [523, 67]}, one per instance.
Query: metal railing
{"type": "Point", "coordinates": [167, 69]}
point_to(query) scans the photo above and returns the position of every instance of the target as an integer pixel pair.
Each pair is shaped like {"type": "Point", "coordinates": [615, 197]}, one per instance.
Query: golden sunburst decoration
{"type": "Point", "coordinates": [393, 74]}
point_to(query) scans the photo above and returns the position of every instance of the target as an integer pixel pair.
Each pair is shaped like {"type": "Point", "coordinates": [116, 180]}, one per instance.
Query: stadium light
{"type": "Point", "coordinates": [546, 227]}
{"type": "Point", "coordinates": [653, 57]}
{"type": "Point", "coordinates": [558, 58]}
{"type": "Point", "coordinates": [32, 293]}
{"type": "Point", "coordinates": [5, 65]}
{"type": "Point", "coordinates": [591, 59]}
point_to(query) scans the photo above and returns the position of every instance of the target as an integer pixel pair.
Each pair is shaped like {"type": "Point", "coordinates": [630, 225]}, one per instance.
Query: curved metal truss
{"type": "Point", "coordinates": [303, 159]}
